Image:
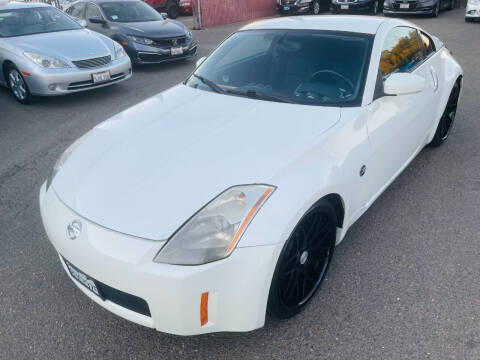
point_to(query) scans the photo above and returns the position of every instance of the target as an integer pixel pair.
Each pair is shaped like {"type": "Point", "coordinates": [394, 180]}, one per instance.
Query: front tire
{"type": "Point", "coordinates": [436, 10]}
{"type": "Point", "coordinates": [448, 117]}
{"type": "Point", "coordinates": [303, 262]}
{"type": "Point", "coordinates": [18, 86]}
{"type": "Point", "coordinates": [315, 7]}
{"type": "Point", "coordinates": [374, 10]}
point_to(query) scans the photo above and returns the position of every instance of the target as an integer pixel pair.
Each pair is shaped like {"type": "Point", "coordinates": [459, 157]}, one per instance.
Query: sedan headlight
{"type": "Point", "coordinates": [142, 40]}
{"type": "Point", "coordinates": [119, 50]}
{"type": "Point", "coordinates": [213, 232]}
{"type": "Point", "coordinates": [46, 61]}
{"type": "Point", "coordinates": [64, 157]}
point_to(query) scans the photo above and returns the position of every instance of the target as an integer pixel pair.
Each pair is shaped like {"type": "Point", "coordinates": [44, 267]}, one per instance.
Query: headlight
{"type": "Point", "coordinates": [119, 50]}
{"type": "Point", "coordinates": [46, 61]}
{"type": "Point", "coordinates": [213, 232]}
{"type": "Point", "coordinates": [141, 40]}
{"type": "Point", "coordinates": [64, 157]}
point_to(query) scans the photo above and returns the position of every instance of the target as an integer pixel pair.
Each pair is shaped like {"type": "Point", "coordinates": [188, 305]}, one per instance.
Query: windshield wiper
{"type": "Point", "coordinates": [259, 95]}
{"type": "Point", "coordinates": [210, 84]}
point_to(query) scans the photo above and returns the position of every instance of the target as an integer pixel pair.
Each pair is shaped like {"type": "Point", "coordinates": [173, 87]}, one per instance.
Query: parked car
{"type": "Point", "coordinates": [44, 52]}
{"type": "Point", "coordinates": [417, 7]}
{"type": "Point", "coordinates": [146, 35]}
{"type": "Point", "coordinates": [222, 198]}
{"type": "Point", "coordinates": [168, 6]}
{"type": "Point", "coordinates": [472, 11]}
{"type": "Point", "coordinates": [185, 7]}
{"type": "Point", "coordinates": [290, 7]}
{"type": "Point", "coordinates": [356, 6]}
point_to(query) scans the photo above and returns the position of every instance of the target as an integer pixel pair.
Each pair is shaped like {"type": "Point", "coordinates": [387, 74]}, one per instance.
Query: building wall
{"type": "Point", "coordinates": [217, 12]}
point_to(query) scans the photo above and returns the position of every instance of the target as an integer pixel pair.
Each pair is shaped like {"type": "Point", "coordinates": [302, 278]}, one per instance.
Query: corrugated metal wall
{"type": "Point", "coordinates": [217, 12]}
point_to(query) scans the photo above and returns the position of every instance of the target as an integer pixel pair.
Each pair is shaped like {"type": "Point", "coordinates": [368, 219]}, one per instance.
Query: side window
{"type": "Point", "coordinates": [428, 45]}
{"type": "Point", "coordinates": [77, 10]}
{"type": "Point", "coordinates": [93, 11]}
{"type": "Point", "coordinates": [401, 51]}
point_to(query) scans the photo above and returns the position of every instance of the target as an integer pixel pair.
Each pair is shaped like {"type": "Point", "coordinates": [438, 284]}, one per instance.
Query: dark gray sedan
{"type": "Point", "coordinates": [45, 52]}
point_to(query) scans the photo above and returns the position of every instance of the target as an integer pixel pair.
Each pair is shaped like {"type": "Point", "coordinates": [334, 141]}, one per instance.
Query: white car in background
{"type": "Point", "coordinates": [222, 198]}
{"type": "Point", "coordinates": [472, 11]}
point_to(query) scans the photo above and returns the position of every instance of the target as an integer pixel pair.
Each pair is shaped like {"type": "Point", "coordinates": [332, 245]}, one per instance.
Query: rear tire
{"type": "Point", "coordinates": [303, 262]}
{"type": "Point", "coordinates": [18, 86]}
{"type": "Point", "coordinates": [448, 117]}
{"type": "Point", "coordinates": [172, 10]}
{"type": "Point", "coordinates": [436, 10]}
{"type": "Point", "coordinates": [375, 7]}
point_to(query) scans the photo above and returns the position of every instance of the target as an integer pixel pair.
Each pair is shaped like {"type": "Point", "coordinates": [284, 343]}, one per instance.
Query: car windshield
{"type": "Point", "coordinates": [295, 66]}
{"type": "Point", "coordinates": [36, 20]}
{"type": "Point", "coordinates": [131, 11]}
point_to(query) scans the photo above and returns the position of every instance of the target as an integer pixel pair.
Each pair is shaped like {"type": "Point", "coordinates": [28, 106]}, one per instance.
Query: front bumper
{"type": "Point", "coordinates": [293, 9]}
{"type": "Point", "coordinates": [238, 286]}
{"type": "Point", "coordinates": [415, 9]}
{"type": "Point", "coordinates": [144, 54]}
{"type": "Point", "coordinates": [361, 6]}
{"type": "Point", "coordinates": [51, 82]}
{"type": "Point", "coordinates": [472, 11]}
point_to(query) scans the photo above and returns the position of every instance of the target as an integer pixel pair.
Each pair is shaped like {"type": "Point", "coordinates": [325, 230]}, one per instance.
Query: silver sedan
{"type": "Point", "coordinates": [44, 52]}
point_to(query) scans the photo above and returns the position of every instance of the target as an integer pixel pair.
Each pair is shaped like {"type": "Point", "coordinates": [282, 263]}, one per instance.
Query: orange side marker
{"type": "Point", "coordinates": [204, 309]}
{"type": "Point", "coordinates": [24, 73]}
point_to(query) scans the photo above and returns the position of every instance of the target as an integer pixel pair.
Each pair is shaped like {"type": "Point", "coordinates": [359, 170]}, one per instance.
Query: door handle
{"type": "Point", "coordinates": [434, 76]}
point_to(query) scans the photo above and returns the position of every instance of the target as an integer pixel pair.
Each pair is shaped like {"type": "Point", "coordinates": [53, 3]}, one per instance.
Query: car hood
{"type": "Point", "coordinates": [67, 45]}
{"type": "Point", "coordinates": [145, 171]}
{"type": "Point", "coordinates": [153, 29]}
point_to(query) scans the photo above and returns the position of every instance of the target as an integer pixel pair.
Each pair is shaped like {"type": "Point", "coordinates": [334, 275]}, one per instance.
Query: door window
{"type": "Point", "coordinates": [401, 51]}
{"type": "Point", "coordinates": [93, 12]}
{"type": "Point", "coordinates": [428, 45]}
{"type": "Point", "coordinates": [76, 10]}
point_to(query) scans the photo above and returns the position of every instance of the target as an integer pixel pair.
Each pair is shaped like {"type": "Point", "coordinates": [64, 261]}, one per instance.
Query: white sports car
{"type": "Point", "coordinates": [221, 199]}
{"type": "Point", "coordinates": [472, 11]}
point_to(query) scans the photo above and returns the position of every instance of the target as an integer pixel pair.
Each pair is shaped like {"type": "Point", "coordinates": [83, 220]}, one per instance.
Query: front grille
{"type": "Point", "coordinates": [157, 58]}
{"type": "Point", "coordinates": [346, 1]}
{"type": "Point", "coordinates": [124, 299]}
{"type": "Point", "coordinates": [288, 2]}
{"type": "Point", "coordinates": [80, 85]}
{"type": "Point", "coordinates": [412, 5]}
{"type": "Point", "coordinates": [92, 63]}
{"type": "Point", "coordinates": [172, 42]}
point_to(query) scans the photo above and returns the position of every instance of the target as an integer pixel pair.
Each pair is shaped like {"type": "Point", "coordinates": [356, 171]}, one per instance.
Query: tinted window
{"type": "Point", "coordinates": [29, 21]}
{"type": "Point", "coordinates": [130, 11]}
{"type": "Point", "coordinates": [93, 12]}
{"type": "Point", "coordinates": [428, 45]}
{"type": "Point", "coordinates": [77, 10]}
{"type": "Point", "coordinates": [299, 66]}
{"type": "Point", "coordinates": [401, 51]}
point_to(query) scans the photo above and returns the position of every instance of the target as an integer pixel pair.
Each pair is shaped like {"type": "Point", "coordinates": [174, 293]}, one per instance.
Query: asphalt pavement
{"type": "Point", "coordinates": [404, 284]}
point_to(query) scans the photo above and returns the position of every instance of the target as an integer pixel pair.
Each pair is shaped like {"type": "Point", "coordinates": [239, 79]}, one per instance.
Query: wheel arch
{"type": "Point", "coordinates": [338, 205]}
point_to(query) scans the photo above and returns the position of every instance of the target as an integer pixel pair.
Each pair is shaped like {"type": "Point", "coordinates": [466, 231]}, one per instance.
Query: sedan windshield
{"type": "Point", "coordinates": [28, 21]}
{"type": "Point", "coordinates": [294, 66]}
{"type": "Point", "coordinates": [131, 11]}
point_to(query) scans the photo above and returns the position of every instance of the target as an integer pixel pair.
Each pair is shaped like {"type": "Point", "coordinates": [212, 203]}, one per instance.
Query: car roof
{"type": "Point", "coordinates": [21, 5]}
{"type": "Point", "coordinates": [355, 23]}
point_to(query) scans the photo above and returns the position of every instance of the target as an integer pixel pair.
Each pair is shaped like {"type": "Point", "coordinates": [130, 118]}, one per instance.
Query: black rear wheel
{"type": "Point", "coordinates": [172, 10]}
{"type": "Point", "coordinates": [304, 262]}
{"type": "Point", "coordinates": [448, 117]}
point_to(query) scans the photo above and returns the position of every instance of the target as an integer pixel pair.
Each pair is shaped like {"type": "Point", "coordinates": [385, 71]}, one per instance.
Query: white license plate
{"type": "Point", "coordinates": [404, 6]}
{"type": "Point", "coordinates": [286, 8]}
{"type": "Point", "coordinates": [344, 7]}
{"type": "Point", "coordinates": [101, 77]}
{"type": "Point", "coordinates": [176, 51]}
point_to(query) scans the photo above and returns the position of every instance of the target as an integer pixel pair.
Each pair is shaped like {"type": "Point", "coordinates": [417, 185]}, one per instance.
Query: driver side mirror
{"type": "Point", "coordinates": [403, 84]}
{"type": "Point", "coordinates": [165, 15]}
{"type": "Point", "coordinates": [200, 61]}
{"type": "Point", "coordinates": [97, 20]}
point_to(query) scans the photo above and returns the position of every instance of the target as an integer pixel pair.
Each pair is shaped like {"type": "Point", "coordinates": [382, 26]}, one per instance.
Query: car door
{"type": "Point", "coordinates": [398, 125]}
{"type": "Point", "coordinates": [93, 11]}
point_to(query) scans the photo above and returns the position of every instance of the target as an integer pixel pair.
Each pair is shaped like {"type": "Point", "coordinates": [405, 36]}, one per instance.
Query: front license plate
{"type": "Point", "coordinates": [83, 279]}
{"type": "Point", "coordinates": [176, 51]}
{"type": "Point", "coordinates": [404, 6]}
{"type": "Point", "coordinates": [101, 77]}
{"type": "Point", "coordinates": [344, 7]}
{"type": "Point", "coordinates": [286, 8]}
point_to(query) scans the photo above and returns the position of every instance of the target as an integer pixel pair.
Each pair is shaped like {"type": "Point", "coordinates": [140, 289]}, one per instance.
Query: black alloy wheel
{"type": "Point", "coordinates": [304, 262]}
{"type": "Point", "coordinates": [315, 7]}
{"type": "Point", "coordinates": [448, 117]}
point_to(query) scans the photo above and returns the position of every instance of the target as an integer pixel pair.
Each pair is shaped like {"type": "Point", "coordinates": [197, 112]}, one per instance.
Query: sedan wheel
{"type": "Point", "coordinates": [304, 262]}
{"type": "Point", "coordinates": [375, 7]}
{"type": "Point", "coordinates": [316, 7]}
{"type": "Point", "coordinates": [436, 9]}
{"type": "Point", "coordinates": [18, 86]}
{"type": "Point", "coordinates": [448, 117]}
